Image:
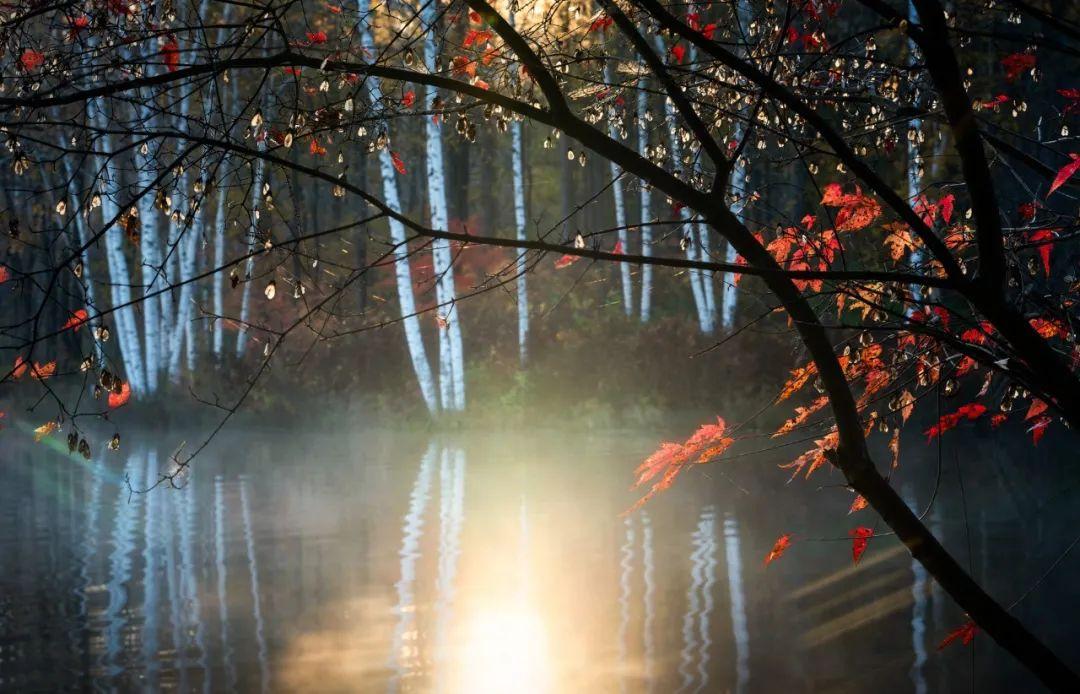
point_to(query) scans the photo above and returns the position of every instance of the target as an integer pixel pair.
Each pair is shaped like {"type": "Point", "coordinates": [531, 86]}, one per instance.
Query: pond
{"type": "Point", "coordinates": [386, 561]}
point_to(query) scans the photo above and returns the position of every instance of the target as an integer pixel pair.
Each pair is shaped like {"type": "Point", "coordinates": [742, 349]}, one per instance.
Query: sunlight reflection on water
{"type": "Point", "coordinates": [391, 564]}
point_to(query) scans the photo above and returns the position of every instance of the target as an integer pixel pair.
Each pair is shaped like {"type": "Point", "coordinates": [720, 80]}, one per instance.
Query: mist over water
{"type": "Point", "coordinates": [384, 561]}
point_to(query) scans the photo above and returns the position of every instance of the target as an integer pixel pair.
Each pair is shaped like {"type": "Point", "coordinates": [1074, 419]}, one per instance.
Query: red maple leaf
{"type": "Point", "coordinates": [678, 52]}
{"type": "Point", "coordinates": [963, 633]}
{"type": "Point", "coordinates": [316, 37]}
{"type": "Point", "coordinates": [31, 60]}
{"type": "Point", "coordinates": [1065, 173]}
{"type": "Point", "coordinates": [566, 261]}
{"type": "Point", "coordinates": [970, 411]}
{"type": "Point", "coordinates": [121, 398]}
{"type": "Point", "coordinates": [1017, 63]}
{"type": "Point", "coordinates": [77, 319]}
{"type": "Point", "coordinates": [600, 23]}
{"type": "Point", "coordinates": [779, 547]}
{"type": "Point", "coordinates": [860, 538]}
{"type": "Point", "coordinates": [408, 99]}
{"type": "Point", "coordinates": [1044, 239]}
{"type": "Point", "coordinates": [171, 53]}
{"type": "Point", "coordinates": [398, 164]}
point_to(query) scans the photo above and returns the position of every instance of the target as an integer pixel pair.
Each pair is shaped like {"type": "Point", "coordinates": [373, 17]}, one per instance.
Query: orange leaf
{"type": "Point", "coordinates": [45, 429]}
{"type": "Point", "coordinates": [779, 547]}
{"type": "Point", "coordinates": [799, 377]}
{"type": "Point", "coordinates": [894, 447]}
{"type": "Point", "coordinates": [43, 371]}
{"type": "Point", "coordinates": [76, 320]}
{"type": "Point", "coordinates": [121, 398]}
{"type": "Point", "coordinates": [859, 504]}
{"type": "Point", "coordinates": [860, 538]}
{"type": "Point", "coordinates": [801, 415]}
{"type": "Point", "coordinates": [706, 443]}
{"type": "Point", "coordinates": [19, 368]}
{"type": "Point", "coordinates": [566, 261]}
{"type": "Point", "coordinates": [315, 148]}
{"type": "Point", "coordinates": [963, 633]}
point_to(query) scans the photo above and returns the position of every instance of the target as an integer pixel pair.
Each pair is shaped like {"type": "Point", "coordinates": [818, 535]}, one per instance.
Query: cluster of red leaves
{"type": "Point", "coordinates": [815, 457]}
{"type": "Point", "coordinates": [693, 19]}
{"type": "Point", "coordinates": [798, 249]}
{"type": "Point", "coordinates": [970, 412]}
{"type": "Point", "coordinates": [600, 23]}
{"type": "Point", "coordinates": [856, 210]}
{"type": "Point", "coordinates": [31, 60]}
{"type": "Point", "coordinates": [1016, 64]}
{"type": "Point", "coordinates": [706, 444]}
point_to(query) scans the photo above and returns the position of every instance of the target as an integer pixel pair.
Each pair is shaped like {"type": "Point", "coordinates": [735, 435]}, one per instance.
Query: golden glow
{"type": "Point", "coordinates": [504, 651]}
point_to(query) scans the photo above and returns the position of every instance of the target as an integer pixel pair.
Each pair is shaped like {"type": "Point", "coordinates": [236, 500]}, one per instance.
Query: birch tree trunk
{"type": "Point", "coordinates": [451, 360]}
{"type": "Point", "coordinates": [127, 332]}
{"type": "Point", "coordinates": [620, 211]}
{"type": "Point", "coordinates": [646, 202]}
{"type": "Point", "coordinates": [690, 242]}
{"type": "Point", "coordinates": [150, 246]}
{"type": "Point", "coordinates": [402, 272]}
{"type": "Point", "coordinates": [517, 164]}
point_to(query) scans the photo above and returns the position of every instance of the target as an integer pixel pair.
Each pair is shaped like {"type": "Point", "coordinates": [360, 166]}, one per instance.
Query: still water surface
{"type": "Point", "coordinates": [498, 563]}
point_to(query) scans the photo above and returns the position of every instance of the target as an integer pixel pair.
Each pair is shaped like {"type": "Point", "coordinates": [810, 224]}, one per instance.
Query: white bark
{"type": "Point", "coordinates": [219, 278]}
{"type": "Point", "coordinates": [451, 359]}
{"type": "Point", "coordinates": [646, 205]}
{"type": "Point", "coordinates": [127, 332]}
{"type": "Point", "coordinates": [402, 272]}
{"type": "Point", "coordinates": [696, 278]}
{"type": "Point", "coordinates": [916, 257]}
{"type": "Point", "coordinates": [737, 187]}
{"type": "Point", "coordinates": [519, 223]}
{"type": "Point", "coordinates": [620, 211]}
{"type": "Point", "coordinates": [80, 220]}
{"type": "Point", "coordinates": [150, 245]}
{"type": "Point", "coordinates": [258, 170]}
